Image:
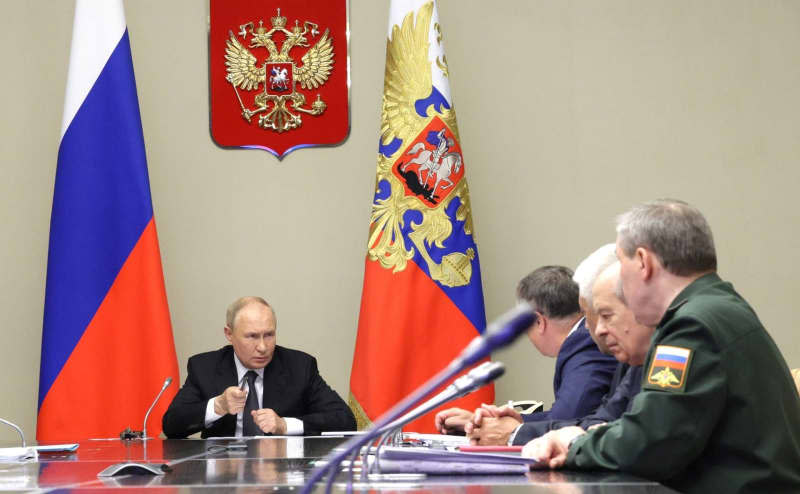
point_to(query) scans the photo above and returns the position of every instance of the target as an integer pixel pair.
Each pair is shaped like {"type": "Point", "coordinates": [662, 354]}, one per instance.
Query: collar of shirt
{"type": "Point", "coordinates": [576, 326]}
{"type": "Point", "coordinates": [241, 370]}
{"type": "Point", "coordinates": [693, 288]}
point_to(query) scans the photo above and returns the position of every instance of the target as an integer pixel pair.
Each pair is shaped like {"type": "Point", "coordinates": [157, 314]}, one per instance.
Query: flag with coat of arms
{"type": "Point", "coordinates": [422, 301]}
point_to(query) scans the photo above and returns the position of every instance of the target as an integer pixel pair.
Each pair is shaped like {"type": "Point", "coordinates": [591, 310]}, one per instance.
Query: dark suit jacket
{"type": "Point", "coordinates": [581, 378]}
{"type": "Point", "coordinates": [292, 387]}
{"type": "Point", "coordinates": [626, 384]}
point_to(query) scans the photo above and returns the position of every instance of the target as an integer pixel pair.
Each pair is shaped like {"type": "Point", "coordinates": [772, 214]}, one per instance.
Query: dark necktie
{"type": "Point", "coordinates": [249, 427]}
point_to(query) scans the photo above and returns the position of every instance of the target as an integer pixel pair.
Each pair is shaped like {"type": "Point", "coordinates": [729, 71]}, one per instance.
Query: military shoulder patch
{"type": "Point", "coordinates": [669, 368]}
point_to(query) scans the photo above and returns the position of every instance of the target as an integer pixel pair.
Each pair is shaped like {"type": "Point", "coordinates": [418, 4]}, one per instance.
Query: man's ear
{"type": "Point", "coordinates": [228, 333]}
{"type": "Point", "coordinates": [544, 323]}
{"type": "Point", "coordinates": [648, 263]}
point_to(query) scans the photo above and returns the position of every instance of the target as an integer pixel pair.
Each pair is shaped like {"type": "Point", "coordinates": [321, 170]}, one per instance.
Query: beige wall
{"type": "Point", "coordinates": [569, 112]}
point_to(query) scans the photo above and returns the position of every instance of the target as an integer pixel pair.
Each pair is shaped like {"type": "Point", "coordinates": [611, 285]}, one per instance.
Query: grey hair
{"type": "Point", "coordinates": [674, 231]}
{"type": "Point", "coordinates": [611, 272]}
{"type": "Point", "coordinates": [618, 288]}
{"type": "Point", "coordinates": [551, 291]}
{"type": "Point", "coordinates": [240, 303]}
{"type": "Point", "coordinates": [590, 268]}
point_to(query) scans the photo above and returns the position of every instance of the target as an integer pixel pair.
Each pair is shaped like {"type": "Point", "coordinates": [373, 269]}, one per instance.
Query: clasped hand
{"type": "Point", "coordinates": [492, 425]}
{"type": "Point", "coordinates": [488, 426]}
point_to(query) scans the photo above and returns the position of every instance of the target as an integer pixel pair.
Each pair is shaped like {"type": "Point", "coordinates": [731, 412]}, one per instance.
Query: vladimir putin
{"type": "Point", "coordinates": [253, 386]}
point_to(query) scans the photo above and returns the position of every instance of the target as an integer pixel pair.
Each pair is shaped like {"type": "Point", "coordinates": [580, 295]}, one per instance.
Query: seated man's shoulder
{"type": "Point", "coordinates": [294, 358]}
{"type": "Point", "coordinates": [211, 357]}
{"type": "Point", "coordinates": [717, 318]}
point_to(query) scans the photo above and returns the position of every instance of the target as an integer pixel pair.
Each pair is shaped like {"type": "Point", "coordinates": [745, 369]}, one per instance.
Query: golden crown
{"type": "Point", "coordinates": [278, 21]}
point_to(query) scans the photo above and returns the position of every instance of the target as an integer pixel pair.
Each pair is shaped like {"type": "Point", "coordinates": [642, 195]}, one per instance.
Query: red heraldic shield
{"type": "Point", "coordinates": [279, 74]}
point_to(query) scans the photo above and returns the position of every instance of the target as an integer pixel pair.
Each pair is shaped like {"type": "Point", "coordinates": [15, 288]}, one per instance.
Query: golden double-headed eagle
{"type": "Point", "coordinates": [407, 80]}
{"type": "Point", "coordinates": [245, 73]}
{"type": "Point", "coordinates": [665, 378]}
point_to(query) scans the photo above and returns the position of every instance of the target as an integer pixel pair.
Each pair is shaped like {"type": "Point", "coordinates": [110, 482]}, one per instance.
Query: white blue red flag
{"type": "Point", "coordinates": [107, 341]}
{"type": "Point", "coordinates": [422, 300]}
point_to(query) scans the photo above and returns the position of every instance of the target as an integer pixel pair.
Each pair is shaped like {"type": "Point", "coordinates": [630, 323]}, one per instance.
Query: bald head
{"type": "Point", "coordinates": [239, 304]}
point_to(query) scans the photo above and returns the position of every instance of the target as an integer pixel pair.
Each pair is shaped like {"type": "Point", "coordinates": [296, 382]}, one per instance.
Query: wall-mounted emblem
{"type": "Point", "coordinates": [279, 74]}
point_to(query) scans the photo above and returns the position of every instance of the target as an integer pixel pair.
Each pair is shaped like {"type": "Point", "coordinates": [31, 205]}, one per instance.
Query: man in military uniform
{"type": "Point", "coordinates": [718, 411]}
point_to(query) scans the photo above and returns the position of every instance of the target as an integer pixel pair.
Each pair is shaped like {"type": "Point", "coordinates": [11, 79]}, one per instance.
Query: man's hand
{"type": "Point", "coordinates": [552, 448]}
{"type": "Point", "coordinates": [492, 411]}
{"type": "Point", "coordinates": [492, 431]}
{"type": "Point", "coordinates": [230, 401]}
{"type": "Point", "coordinates": [452, 420]}
{"type": "Point", "coordinates": [269, 421]}
{"type": "Point", "coordinates": [503, 411]}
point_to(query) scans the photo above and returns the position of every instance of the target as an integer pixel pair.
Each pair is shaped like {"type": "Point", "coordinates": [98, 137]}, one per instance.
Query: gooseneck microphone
{"type": "Point", "coordinates": [500, 333]}
{"type": "Point", "coordinates": [139, 468]}
{"type": "Point", "coordinates": [166, 384]}
{"type": "Point", "coordinates": [15, 426]}
{"type": "Point", "coordinates": [464, 385]}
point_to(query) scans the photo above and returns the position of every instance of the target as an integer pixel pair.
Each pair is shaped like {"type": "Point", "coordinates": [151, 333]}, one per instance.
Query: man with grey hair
{"type": "Point", "coordinates": [253, 386]}
{"type": "Point", "coordinates": [718, 411]}
{"type": "Point", "coordinates": [585, 275]}
{"type": "Point", "coordinates": [627, 341]}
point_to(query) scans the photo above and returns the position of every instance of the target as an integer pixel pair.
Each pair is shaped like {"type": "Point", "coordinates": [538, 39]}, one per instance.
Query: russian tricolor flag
{"type": "Point", "coordinates": [107, 341]}
{"type": "Point", "coordinates": [670, 356]}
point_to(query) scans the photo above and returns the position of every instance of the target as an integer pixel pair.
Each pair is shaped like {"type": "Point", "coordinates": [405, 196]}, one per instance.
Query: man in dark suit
{"type": "Point", "coordinates": [253, 387]}
{"type": "Point", "coordinates": [582, 372]}
{"type": "Point", "coordinates": [626, 339]}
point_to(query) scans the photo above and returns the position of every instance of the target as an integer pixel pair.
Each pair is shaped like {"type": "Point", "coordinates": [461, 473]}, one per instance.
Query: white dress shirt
{"type": "Point", "coordinates": [294, 427]}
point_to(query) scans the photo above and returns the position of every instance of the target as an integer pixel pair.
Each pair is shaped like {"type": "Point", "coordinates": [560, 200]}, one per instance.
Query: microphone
{"type": "Point", "coordinates": [142, 434]}
{"type": "Point", "coordinates": [500, 333]}
{"type": "Point", "coordinates": [26, 452]}
{"type": "Point", "coordinates": [464, 385]}
{"type": "Point", "coordinates": [139, 468]}
{"type": "Point", "coordinates": [166, 384]}
{"type": "Point", "coordinates": [467, 383]}
{"type": "Point", "coordinates": [15, 426]}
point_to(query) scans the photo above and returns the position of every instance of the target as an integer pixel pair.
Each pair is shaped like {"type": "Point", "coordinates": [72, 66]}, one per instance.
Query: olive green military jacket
{"type": "Point", "coordinates": [718, 411]}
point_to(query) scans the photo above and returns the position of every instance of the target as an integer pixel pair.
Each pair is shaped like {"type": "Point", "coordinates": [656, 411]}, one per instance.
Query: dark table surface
{"type": "Point", "coordinates": [272, 464]}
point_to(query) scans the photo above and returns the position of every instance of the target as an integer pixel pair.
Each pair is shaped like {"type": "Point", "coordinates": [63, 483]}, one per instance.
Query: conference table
{"type": "Point", "coordinates": [270, 464]}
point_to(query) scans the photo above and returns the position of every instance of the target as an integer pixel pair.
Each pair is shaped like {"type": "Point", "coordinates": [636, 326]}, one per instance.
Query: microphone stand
{"type": "Point", "coordinates": [167, 382]}
{"type": "Point", "coordinates": [500, 333]}
{"type": "Point", "coordinates": [464, 385]}
{"type": "Point", "coordinates": [23, 452]}
{"type": "Point", "coordinates": [357, 442]}
{"type": "Point", "coordinates": [142, 468]}
{"type": "Point", "coordinates": [15, 426]}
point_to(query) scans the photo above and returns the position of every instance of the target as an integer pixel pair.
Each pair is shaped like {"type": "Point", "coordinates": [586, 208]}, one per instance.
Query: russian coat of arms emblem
{"type": "Point", "coordinates": [421, 193]}
{"type": "Point", "coordinates": [278, 84]}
